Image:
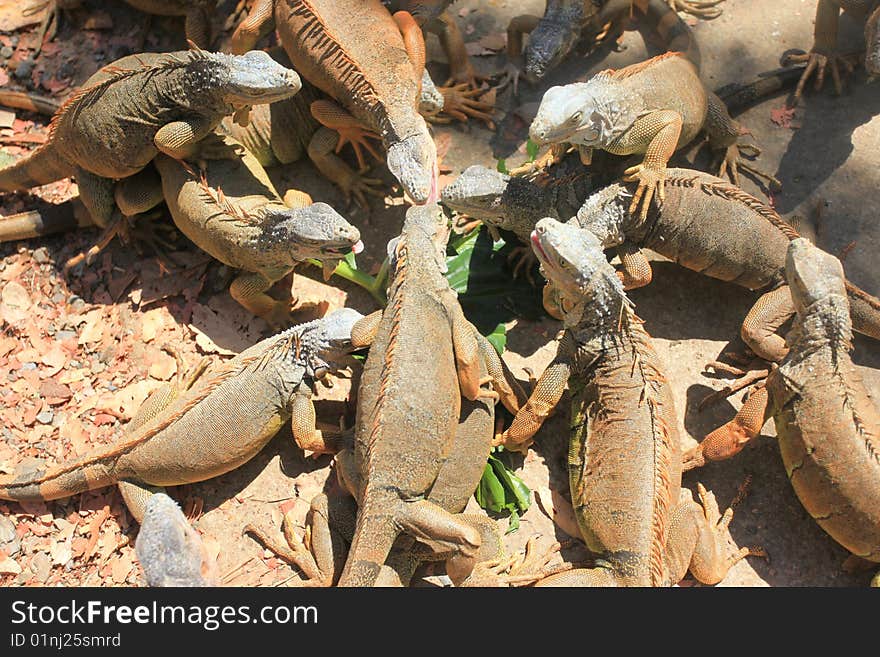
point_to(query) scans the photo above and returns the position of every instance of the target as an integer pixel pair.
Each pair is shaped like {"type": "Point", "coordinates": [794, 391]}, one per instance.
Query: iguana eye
{"type": "Point", "coordinates": [576, 117]}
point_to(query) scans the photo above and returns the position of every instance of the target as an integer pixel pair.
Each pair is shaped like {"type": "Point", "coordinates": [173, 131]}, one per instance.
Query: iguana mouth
{"type": "Point", "coordinates": [343, 251]}
{"type": "Point", "coordinates": [536, 244]}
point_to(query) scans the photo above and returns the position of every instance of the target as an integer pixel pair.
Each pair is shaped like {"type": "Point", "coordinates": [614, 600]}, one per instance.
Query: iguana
{"type": "Point", "coordinates": [824, 54]}
{"type": "Point", "coordinates": [209, 424]}
{"type": "Point", "coordinates": [170, 550]}
{"type": "Point", "coordinates": [651, 108]}
{"type": "Point", "coordinates": [232, 211]}
{"type": "Point", "coordinates": [554, 36]}
{"type": "Point", "coordinates": [408, 454]}
{"type": "Point", "coordinates": [196, 12]}
{"type": "Point", "coordinates": [370, 63]}
{"type": "Point", "coordinates": [624, 460]}
{"type": "Point", "coordinates": [139, 106]}
{"type": "Point", "coordinates": [827, 426]}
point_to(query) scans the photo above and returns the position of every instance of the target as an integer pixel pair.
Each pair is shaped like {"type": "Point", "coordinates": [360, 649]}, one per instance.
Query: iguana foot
{"type": "Point", "coordinates": [358, 137]}
{"type": "Point", "coordinates": [705, 9]}
{"type": "Point", "coordinates": [295, 553]}
{"type": "Point", "coordinates": [536, 169]}
{"type": "Point", "coordinates": [819, 63]}
{"type": "Point", "coordinates": [516, 570]}
{"type": "Point", "coordinates": [756, 371]}
{"type": "Point", "coordinates": [465, 75]}
{"type": "Point", "coordinates": [523, 259]}
{"type": "Point", "coordinates": [510, 77]}
{"type": "Point", "coordinates": [720, 523]}
{"type": "Point", "coordinates": [731, 163]}
{"type": "Point", "coordinates": [462, 101]}
{"type": "Point", "coordinates": [356, 184]}
{"type": "Point", "coordinates": [650, 183]}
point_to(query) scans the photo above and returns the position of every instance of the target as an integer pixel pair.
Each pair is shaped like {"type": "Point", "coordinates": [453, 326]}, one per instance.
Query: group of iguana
{"type": "Point", "coordinates": [195, 129]}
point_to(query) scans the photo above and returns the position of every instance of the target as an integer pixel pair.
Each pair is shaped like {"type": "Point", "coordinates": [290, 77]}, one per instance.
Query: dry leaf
{"type": "Point", "coordinates": [9, 566]}
{"type": "Point", "coordinates": [152, 322]}
{"type": "Point", "coordinates": [14, 303]}
{"type": "Point", "coordinates": [121, 567]}
{"type": "Point", "coordinates": [163, 367]}
{"type": "Point", "coordinates": [93, 328]}
{"type": "Point", "coordinates": [55, 359]}
{"type": "Point", "coordinates": [559, 510]}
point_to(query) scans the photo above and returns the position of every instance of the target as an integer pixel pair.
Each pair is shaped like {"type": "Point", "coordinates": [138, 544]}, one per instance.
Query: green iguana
{"type": "Point", "coordinates": [209, 424]}
{"type": "Point", "coordinates": [624, 461]}
{"type": "Point", "coordinates": [824, 54]}
{"type": "Point", "coordinates": [232, 211]}
{"type": "Point", "coordinates": [370, 63]}
{"type": "Point", "coordinates": [827, 426]}
{"type": "Point", "coordinates": [139, 106]}
{"type": "Point", "coordinates": [651, 108]}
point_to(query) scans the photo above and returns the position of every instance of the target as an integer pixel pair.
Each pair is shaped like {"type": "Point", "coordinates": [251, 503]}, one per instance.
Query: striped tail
{"type": "Point", "coordinates": [78, 476]}
{"type": "Point", "coordinates": [737, 97]}
{"type": "Point", "coordinates": [374, 535]}
{"type": "Point", "coordinates": [864, 310]}
{"type": "Point", "coordinates": [47, 219]}
{"type": "Point", "coordinates": [42, 166]}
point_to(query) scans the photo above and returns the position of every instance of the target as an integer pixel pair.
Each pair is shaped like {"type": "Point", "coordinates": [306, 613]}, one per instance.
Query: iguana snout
{"type": "Point", "coordinates": [328, 340]}
{"type": "Point", "coordinates": [413, 161]}
{"type": "Point", "coordinates": [476, 192]}
{"type": "Point", "coordinates": [570, 257]}
{"type": "Point", "coordinates": [255, 78]}
{"type": "Point", "coordinates": [317, 231]}
{"type": "Point", "coordinates": [549, 43]}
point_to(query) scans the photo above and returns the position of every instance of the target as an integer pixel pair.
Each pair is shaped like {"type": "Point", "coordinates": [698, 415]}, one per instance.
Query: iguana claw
{"type": "Point", "coordinates": [650, 182]}
{"type": "Point", "coordinates": [819, 63]}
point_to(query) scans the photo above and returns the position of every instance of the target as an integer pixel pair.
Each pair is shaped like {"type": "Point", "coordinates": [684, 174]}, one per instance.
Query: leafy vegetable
{"type": "Point", "coordinates": [532, 150]}
{"type": "Point", "coordinates": [502, 166]}
{"type": "Point", "coordinates": [501, 490]}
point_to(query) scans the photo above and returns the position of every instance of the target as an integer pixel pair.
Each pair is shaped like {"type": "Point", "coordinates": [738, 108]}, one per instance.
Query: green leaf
{"type": "Point", "coordinates": [498, 338]}
{"type": "Point", "coordinates": [531, 150]}
{"type": "Point", "coordinates": [513, 523]}
{"type": "Point", "coordinates": [490, 492]}
{"type": "Point", "coordinates": [502, 166]}
{"type": "Point", "coordinates": [501, 490]}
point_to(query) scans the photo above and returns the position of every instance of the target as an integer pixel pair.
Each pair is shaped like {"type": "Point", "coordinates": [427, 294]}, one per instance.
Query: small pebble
{"type": "Point", "coordinates": [46, 416]}
{"type": "Point", "coordinates": [28, 366]}
{"type": "Point", "coordinates": [111, 387]}
{"type": "Point", "coordinates": [65, 335]}
{"type": "Point", "coordinates": [41, 564]}
{"type": "Point", "coordinates": [6, 52]}
{"type": "Point", "coordinates": [9, 541]}
{"type": "Point", "coordinates": [13, 40]}
{"type": "Point", "coordinates": [24, 69]}
{"type": "Point", "coordinates": [41, 255]}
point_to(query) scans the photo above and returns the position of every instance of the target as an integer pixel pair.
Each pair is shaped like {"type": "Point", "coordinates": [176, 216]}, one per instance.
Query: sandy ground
{"type": "Point", "coordinates": [830, 159]}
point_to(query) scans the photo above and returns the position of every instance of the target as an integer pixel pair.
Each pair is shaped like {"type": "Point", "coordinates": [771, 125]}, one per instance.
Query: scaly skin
{"type": "Point", "coordinates": [211, 426]}
{"type": "Point", "coordinates": [406, 451]}
{"type": "Point", "coordinates": [824, 54]}
{"type": "Point", "coordinates": [368, 62]}
{"type": "Point", "coordinates": [714, 228]}
{"type": "Point", "coordinates": [170, 550]}
{"type": "Point", "coordinates": [828, 428]}
{"type": "Point", "coordinates": [624, 461]}
{"type": "Point", "coordinates": [651, 108]}
{"type": "Point", "coordinates": [124, 116]}
{"type": "Point", "coordinates": [231, 211]}
{"type": "Point", "coordinates": [566, 23]}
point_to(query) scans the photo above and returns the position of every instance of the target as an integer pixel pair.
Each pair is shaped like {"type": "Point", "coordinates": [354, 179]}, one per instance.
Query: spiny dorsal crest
{"type": "Point", "coordinates": [734, 193]}
{"type": "Point", "coordinates": [218, 198]}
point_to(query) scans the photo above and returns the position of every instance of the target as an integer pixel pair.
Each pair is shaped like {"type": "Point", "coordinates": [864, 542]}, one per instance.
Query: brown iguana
{"type": "Point", "coordinates": [231, 211]}
{"type": "Point", "coordinates": [196, 12]}
{"type": "Point", "coordinates": [208, 425]}
{"type": "Point", "coordinates": [139, 106]}
{"type": "Point", "coordinates": [624, 460]}
{"type": "Point", "coordinates": [554, 36]}
{"type": "Point", "coordinates": [410, 460]}
{"type": "Point", "coordinates": [827, 426]}
{"type": "Point", "coordinates": [170, 550]}
{"type": "Point", "coordinates": [824, 54]}
{"type": "Point", "coordinates": [370, 63]}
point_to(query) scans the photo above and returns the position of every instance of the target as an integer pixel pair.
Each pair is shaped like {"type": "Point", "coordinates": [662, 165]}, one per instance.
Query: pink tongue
{"type": "Point", "coordinates": [358, 247]}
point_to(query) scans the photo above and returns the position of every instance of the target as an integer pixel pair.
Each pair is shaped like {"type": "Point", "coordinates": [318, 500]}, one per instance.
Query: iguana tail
{"type": "Point", "coordinates": [675, 34]}
{"type": "Point", "coordinates": [864, 310]}
{"type": "Point", "coordinates": [78, 476]}
{"type": "Point", "coordinates": [47, 219]}
{"type": "Point", "coordinates": [737, 97]}
{"type": "Point", "coordinates": [42, 166]}
{"type": "Point", "coordinates": [29, 102]}
{"type": "Point", "coordinates": [374, 535]}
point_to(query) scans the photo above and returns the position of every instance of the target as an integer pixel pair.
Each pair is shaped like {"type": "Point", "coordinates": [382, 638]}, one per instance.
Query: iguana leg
{"type": "Point", "coordinates": [198, 27]}
{"type": "Point", "coordinates": [509, 391]}
{"type": "Point", "coordinates": [515, 571]}
{"type": "Point", "coordinates": [351, 182]}
{"type": "Point", "coordinates": [461, 102]}
{"type": "Point", "coordinates": [729, 439]}
{"type": "Point", "coordinates": [364, 330]}
{"type": "Point", "coordinates": [249, 289]}
{"type": "Point", "coordinates": [461, 71]}
{"type": "Point", "coordinates": [303, 421]}
{"type": "Point", "coordinates": [635, 269]}
{"type": "Point", "coordinates": [468, 356]}
{"type": "Point", "coordinates": [699, 540]}
{"type": "Point", "coordinates": [96, 193]}
{"type": "Point", "coordinates": [350, 130]}
{"type": "Point", "coordinates": [518, 26]}
{"type": "Point", "coordinates": [759, 327]}
{"type": "Point", "coordinates": [663, 127]}
{"type": "Point", "coordinates": [260, 21]}
{"type": "Point", "coordinates": [823, 55]}
{"type": "Point", "coordinates": [179, 139]}
{"type": "Point", "coordinates": [553, 156]}
{"type": "Point", "coordinates": [296, 199]}
{"type": "Point", "coordinates": [163, 396]}
{"type": "Point", "coordinates": [413, 41]}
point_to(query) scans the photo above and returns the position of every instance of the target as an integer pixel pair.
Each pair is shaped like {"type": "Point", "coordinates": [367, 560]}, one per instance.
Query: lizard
{"type": "Point", "coordinates": [566, 23]}
{"type": "Point", "coordinates": [824, 54]}
{"type": "Point", "coordinates": [407, 450]}
{"type": "Point", "coordinates": [624, 458]}
{"type": "Point", "coordinates": [827, 427]}
{"type": "Point", "coordinates": [232, 211]}
{"type": "Point", "coordinates": [207, 425]}
{"type": "Point", "coordinates": [170, 550]}
{"type": "Point", "coordinates": [141, 105]}
{"type": "Point", "coordinates": [196, 12]}
{"type": "Point", "coordinates": [651, 108]}
{"type": "Point", "coordinates": [370, 63]}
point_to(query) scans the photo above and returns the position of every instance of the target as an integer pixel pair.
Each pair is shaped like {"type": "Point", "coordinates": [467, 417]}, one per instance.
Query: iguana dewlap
{"type": "Point", "coordinates": [828, 427]}
{"type": "Point", "coordinates": [139, 106]}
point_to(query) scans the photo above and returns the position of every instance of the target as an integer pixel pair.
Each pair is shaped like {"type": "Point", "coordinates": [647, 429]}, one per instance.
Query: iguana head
{"type": "Point", "coordinates": [324, 343]}
{"type": "Point", "coordinates": [413, 161]}
{"type": "Point", "coordinates": [812, 274]}
{"type": "Point", "coordinates": [477, 192]}
{"type": "Point", "coordinates": [872, 44]}
{"type": "Point", "coordinates": [254, 78]}
{"type": "Point", "coordinates": [549, 43]}
{"type": "Point", "coordinates": [315, 231]}
{"type": "Point", "coordinates": [591, 114]}
{"type": "Point", "coordinates": [423, 222]}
